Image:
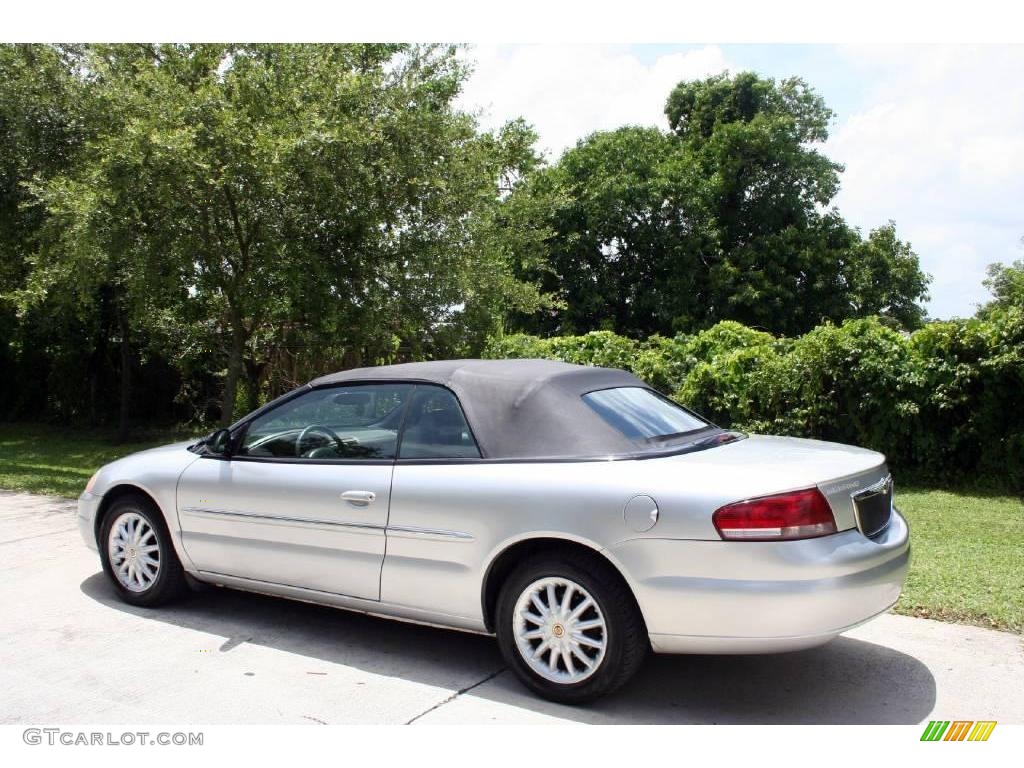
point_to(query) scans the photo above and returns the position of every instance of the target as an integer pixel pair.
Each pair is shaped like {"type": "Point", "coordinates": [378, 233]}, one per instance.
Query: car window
{"type": "Point", "coordinates": [641, 414]}
{"type": "Point", "coordinates": [436, 428]}
{"type": "Point", "coordinates": [353, 422]}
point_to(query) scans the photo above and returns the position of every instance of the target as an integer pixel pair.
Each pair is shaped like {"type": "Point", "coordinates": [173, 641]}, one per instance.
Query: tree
{"type": "Point", "coordinates": [1006, 284]}
{"type": "Point", "coordinates": [45, 121]}
{"type": "Point", "coordinates": [326, 198]}
{"type": "Point", "coordinates": [884, 278]}
{"type": "Point", "coordinates": [725, 217]}
{"type": "Point", "coordinates": [508, 232]}
{"type": "Point", "coordinates": [754, 140]}
{"type": "Point", "coordinates": [629, 233]}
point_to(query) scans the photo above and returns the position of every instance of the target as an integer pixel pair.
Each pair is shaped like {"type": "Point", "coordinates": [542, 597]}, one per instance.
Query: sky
{"type": "Point", "coordinates": [931, 137]}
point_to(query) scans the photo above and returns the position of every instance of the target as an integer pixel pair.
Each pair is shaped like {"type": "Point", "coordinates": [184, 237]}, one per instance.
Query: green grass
{"type": "Point", "coordinates": [967, 558]}
{"type": "Point", "coordinates": [59, 462]}
{"type": "Point", "coordinates": [968, 545]}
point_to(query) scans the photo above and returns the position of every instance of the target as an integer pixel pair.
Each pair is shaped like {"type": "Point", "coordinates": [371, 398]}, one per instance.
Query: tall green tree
{"type": "Point", "coordinates": [883, 277]}
{"type": "Point", "coordinates": [1006, 284]}
{"type": "Point", "coordinates": [43, 123]}
{"type": "Point", "coordinates": [727, 216]}
{"type": "Point", "coordinates": [249, 197]}
{"type": "Point", "coordinates": [629, 235]}
{"type": "Point", "coordinates": [52, 346]}
{"type": "Point", "coordinates": [756, 142]}
{"type": "Point", "coordinates": [787, 261]}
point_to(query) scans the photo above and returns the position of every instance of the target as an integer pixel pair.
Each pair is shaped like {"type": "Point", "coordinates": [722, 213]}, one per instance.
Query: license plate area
{"type": "Point", "coordinates": [873, 507]}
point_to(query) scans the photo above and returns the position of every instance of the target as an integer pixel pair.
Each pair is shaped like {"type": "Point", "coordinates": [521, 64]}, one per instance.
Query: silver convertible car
{"type": "Point", "coordinates": [572, 511]}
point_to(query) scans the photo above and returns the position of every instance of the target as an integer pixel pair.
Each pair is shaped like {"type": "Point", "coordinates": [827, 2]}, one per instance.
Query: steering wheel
{"type": "Point", "coordinates": [321, 430]}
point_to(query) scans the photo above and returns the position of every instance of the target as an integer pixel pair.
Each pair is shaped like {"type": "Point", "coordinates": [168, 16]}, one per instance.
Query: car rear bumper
{"type": "Point", "coordinates": [763, 597]}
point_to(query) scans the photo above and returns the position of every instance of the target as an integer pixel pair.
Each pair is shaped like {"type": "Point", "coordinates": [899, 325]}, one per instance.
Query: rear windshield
{"type": "Point", "coordinates": [641, 414]}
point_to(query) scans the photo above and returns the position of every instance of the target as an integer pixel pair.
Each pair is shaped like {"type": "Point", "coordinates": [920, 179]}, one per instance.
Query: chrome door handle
{"type": "Point", "coordinates": [359, 498]}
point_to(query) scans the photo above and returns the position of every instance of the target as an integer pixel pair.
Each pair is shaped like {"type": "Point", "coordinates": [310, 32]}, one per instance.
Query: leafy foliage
{"type": "Point", "coordinates": [1006, 283]}
{"type": "Point", "coordinates": [725, 217]}
{"type": "Point", "coordinates": [944, 400]}
{"type": "Point", "coordinates": [260, 212]}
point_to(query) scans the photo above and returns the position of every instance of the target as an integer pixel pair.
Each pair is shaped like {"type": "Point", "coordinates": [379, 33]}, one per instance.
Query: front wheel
{"type": "Point", "coordinates": [569, 627]}
{"type": "Point", "coordinates": [135, 547]}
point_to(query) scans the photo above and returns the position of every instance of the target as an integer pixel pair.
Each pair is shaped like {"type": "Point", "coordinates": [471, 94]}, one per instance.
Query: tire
{"type": "Point", "coordinates": [621, 633]}
{"type": "Point", "coordinates": [124, 554]}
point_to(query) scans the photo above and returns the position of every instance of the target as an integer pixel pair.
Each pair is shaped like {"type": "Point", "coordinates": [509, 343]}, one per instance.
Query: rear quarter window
{"type": "Point", "coordinates": [642, 414]}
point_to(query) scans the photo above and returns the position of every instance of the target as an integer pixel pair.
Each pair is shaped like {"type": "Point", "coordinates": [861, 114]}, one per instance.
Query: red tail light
{"type": "Point", "coordinates": [786, 516]}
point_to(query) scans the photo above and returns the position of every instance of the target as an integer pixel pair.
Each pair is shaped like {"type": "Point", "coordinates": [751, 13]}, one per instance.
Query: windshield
{"type": "Point", "coordinates": [641, 414]}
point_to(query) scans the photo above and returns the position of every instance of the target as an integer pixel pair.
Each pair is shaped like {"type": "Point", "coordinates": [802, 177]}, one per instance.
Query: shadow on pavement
{"type": "Point", "coordinates": [846, 681]}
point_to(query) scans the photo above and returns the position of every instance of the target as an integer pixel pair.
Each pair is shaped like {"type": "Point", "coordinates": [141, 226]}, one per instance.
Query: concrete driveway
{"type": "Point", "coordinates": [70, 652]}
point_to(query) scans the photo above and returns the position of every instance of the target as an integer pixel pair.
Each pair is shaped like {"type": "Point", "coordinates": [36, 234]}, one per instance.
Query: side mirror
{"type": "Point", "coordinates": [219, 443]}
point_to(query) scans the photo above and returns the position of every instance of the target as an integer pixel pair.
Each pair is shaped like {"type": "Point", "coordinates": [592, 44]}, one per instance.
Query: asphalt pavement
{"type": "Point", "coordinates": [72, 653]}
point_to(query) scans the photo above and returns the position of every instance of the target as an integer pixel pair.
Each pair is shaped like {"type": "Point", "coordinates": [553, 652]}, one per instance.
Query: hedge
{"type": "Point", "coordinates": [945, 401]}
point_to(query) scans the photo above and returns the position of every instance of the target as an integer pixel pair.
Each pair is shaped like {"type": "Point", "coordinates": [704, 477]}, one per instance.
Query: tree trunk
{"type": "Point", "coordinates": [126, 375]}
{"type": "Point", "coordinates": [235, 353]}
{"type": "Point", "coordinates": [253, 371]}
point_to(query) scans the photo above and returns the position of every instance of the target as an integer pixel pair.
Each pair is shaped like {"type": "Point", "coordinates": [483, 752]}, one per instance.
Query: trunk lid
{"type": "Point", "coordinates": [761, 465]}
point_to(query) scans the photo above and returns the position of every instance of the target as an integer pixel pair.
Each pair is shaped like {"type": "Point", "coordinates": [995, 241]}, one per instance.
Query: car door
{"type": "Point", "coordinates": [303, 499]}
{"type": "Point", "coordinates": [440, 509]}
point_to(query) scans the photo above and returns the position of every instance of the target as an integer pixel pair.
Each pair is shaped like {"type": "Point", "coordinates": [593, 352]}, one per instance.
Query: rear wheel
{"type": "Point", "coordinates": [135, 547]}
{"type": "Point", "coordinates": [569, 627]}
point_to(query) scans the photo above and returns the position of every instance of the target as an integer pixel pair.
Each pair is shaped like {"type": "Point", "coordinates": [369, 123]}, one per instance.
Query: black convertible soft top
{"type": "Point", "coordinates": [520, 408]}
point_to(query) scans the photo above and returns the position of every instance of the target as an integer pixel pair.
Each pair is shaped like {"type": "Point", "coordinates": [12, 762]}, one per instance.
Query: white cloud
{"type": "Point", "coordinates": [569, 91]}
{"type": "Point", "coordinates": [938, 146]}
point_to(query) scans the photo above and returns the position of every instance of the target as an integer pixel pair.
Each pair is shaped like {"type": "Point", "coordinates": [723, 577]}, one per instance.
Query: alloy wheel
{"type": "Point", "coordinates": [559, 630]}
{"type": "Point", "coordinates": [134, 552]}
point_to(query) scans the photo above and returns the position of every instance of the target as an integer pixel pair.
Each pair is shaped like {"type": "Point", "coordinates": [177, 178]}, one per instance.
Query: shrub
{"type": "Point", "coordinates": [602, 348]}
{"type": "Point", "coordinates": [663, 363]}
{"type": "Point", "coordinates": [727, 336]}
{"type": "Point", "coordinates": [843, 383]}
{"type": "Point", "coordinates": [971, 376]}
{"type": "Point", "coordinates": [723, 382]}
{"type": "Point", "coordinates": [945, 400]}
